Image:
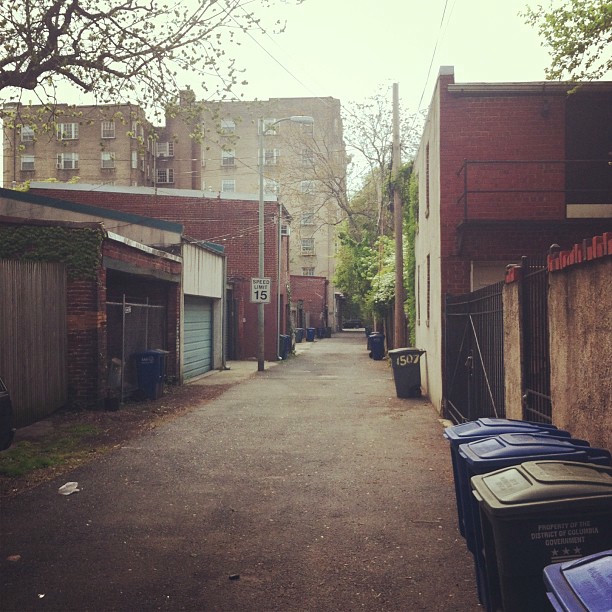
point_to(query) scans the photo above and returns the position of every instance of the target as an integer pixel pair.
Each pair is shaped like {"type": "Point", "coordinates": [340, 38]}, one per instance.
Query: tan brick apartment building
{"type": "Point", "coordinates": [304, 165]}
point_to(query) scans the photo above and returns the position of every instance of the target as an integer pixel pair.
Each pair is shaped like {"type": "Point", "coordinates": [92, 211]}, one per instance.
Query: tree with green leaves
{"type": "Point", "coordinates": [126, 50]}
{"type": "Point", "coordinates": [579, 36]}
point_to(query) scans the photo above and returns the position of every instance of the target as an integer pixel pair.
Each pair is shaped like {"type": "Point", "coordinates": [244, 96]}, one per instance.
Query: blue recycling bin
{"type": "Point", "coordinates": [310, 334]}
{"type": "Point", "coordinates": [485, 428]}
{"type": "Point", "coordinates": [151, 369]}
{"type": "Point", "coordinates": [536, 514]}
{"type": "Point", "coordinates": [376, 343]}
{"type": "Point", "coordinates": [581, 585]}
{"type": "Point", "coordinates": [490, 454]}
{"type": "Point", "coordinates": [320, 332]}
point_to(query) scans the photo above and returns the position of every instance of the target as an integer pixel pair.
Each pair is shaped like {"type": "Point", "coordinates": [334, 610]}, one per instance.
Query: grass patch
{"type": "Point", "coordinates": [58, 448]}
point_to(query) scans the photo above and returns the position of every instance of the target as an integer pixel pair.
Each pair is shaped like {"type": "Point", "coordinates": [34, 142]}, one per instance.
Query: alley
{"type": "Point", "coordinates": [309, 486]}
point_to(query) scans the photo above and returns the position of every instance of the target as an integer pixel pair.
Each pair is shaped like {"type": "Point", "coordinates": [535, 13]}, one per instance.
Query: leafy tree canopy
{"type": "Point", "coordinates": [121, 50]}
{"type": "Point", "coordinates": [579, 36]}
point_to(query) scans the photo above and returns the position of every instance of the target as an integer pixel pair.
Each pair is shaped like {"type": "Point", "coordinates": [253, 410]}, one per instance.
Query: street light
{"type": "Point", "coordinates": [262, 129]}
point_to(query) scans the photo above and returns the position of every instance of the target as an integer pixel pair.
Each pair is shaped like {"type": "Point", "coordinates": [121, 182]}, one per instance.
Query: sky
{"type": "Point", "coordinates": [352, 49]}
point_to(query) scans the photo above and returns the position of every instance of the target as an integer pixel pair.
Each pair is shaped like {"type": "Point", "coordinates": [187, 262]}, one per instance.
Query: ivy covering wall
{"type": "Point", "coordinates": [79, 248]}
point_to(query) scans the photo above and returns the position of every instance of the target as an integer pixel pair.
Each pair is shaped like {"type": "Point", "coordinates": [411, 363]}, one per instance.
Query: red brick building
{"type": "Point", "coordinates": [504, 170]}
{"type": "Point", "coordinates": [228, 222]}
{"type": "Point", "coordinates": [308, 297]}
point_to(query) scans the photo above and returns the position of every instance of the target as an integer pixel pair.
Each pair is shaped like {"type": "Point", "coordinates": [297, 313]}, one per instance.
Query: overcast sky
{"type": "Point", "coordinates": [349, 48]}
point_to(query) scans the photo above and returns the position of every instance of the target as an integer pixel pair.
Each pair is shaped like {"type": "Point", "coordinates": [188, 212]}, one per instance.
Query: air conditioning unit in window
{"type": "Point", "coordinates": [285, 230]}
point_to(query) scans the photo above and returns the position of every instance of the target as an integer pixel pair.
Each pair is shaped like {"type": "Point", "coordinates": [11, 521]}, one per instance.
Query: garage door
{"type": "Point", "coordinates": [198, 336]}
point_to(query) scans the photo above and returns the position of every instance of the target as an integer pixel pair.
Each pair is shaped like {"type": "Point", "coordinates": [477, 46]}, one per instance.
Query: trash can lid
{"type": "Point", "coordinates": [506, 449]}
{"type": "Point", "coordinates": [582, 584]}
{"type": "Point", "coordinates": [406, 351]}
{"type": "Point", "coordinates": [486, 428]}
{"type": "Point", "coordinates": [542, 485]}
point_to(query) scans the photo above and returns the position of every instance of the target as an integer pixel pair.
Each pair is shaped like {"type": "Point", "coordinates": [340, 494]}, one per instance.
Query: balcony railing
{"type": "Point", "coordinates": [532, 189]}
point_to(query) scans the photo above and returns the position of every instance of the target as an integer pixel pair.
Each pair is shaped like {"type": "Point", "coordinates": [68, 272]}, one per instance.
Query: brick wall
{"type": "Point", "coordinates": [312, 291]}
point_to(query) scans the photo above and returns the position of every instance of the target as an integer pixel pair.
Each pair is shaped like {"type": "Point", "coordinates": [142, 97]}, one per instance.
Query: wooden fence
{"type": "Point", "coordinates": [33, 337]}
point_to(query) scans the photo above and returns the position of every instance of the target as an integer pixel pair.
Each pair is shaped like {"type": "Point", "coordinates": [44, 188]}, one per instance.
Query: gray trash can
{"type": "Point", "coordinates": [407, 371]}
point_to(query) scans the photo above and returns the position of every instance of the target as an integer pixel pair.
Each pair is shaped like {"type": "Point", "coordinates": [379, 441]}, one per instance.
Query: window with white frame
{"type": "Point", "coordinates": [67, 131]}
{"type": "Point", "coordinates": [27, 162]}
{"type": "Point", "coordinates": [308, 271]}
{"type": "Point", "coordinates": [228, 185]}
{"type": "Point", "coordinates": [165, 149]}
{"type": "Point", "coordinates": [67, 161]}
{"type": "Point", "coordinates": [307, 187]}
{"type": "Point", "coordinates": [27, 133]}
{"type": "Point", "coordinates": [228, 158]}
{"type": "Point", "coordinates": [307, 157]}
{"type": "Point", "coordinates": [142, 162]}
{"type": "Point", "coordinates": [268, 126]}
{"type": "Point", "coordinates": [165, 175]}
{"type": "Point", "coordinates": [108, 129]}
{"type": "Point", "coordinates": [307, 218]}
{"type": "Point", "coordinates": [271, 157]}
{"type": "Point", "coordinates": [307, 245]}
{"type": "Point", "coordinates": [107, 159]}
{"type": "Point", "coordinates": [271, 186]}
{"type": "Point", "coordinates": [228, 126]}
{"type": "Point", "coordinates": [134, 160]}
{"type": "Point", "coordinates": [134, 130]}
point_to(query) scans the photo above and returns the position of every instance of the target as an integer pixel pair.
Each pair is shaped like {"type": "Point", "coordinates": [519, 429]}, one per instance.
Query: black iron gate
{"type": "Point", "coordinates": [474, 355]}
{"type": "Point", "coordinates": [536, 356]}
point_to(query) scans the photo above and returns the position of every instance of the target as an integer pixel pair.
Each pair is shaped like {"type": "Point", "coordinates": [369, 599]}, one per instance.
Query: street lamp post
{"type": "Point", "coordinates": [262, 129]}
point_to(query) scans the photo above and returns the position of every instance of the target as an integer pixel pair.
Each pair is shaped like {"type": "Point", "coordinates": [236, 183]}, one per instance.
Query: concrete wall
{"type": "Point", "coordinates": [580, 321]}
{"type": "Point", "coordinates": [512, 351]}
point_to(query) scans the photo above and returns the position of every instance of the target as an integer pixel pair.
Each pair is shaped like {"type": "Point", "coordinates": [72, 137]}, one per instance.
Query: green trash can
{"type": "Point", "coordinates": [407, 371]}
{"type": "Point", "coordinates": [536, 514]}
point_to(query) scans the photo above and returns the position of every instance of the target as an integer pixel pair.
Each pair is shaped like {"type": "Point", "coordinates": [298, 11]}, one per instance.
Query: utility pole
{"type": "Point", "coordinates": [399, 327]}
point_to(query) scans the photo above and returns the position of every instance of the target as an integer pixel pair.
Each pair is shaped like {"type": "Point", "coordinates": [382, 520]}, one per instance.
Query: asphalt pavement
{"type": "Point", "coordinates": [309, 486]}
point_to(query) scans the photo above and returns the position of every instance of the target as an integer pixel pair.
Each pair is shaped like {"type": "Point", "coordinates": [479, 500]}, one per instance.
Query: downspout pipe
{"type": "Point", "coordinates": [278, 279]}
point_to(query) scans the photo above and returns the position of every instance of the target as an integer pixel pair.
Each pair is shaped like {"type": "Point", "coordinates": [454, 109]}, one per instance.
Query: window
{"type": "Point", "coordinates": [269, 127]}
{"type": "Point", "coordinates": [27, 133]}
{"type": "Point", "coordinates": [142, 163]}
{"type": "Point", "coordinates": [307, 186]}
{"type": "Point", "coordinates": [307, 218]}
{"type": "Point", "coordinates": [228, 158]}
{"type": "Point", "coordinates": [134, 160]}
{"type": "Point", "coordinates": [308, 271]}
{"type": "Point", "coordinates": [228, 185]}
{"type": "Point", "coordinates": [271, 157]}
{"type": "Point", "coordinates": [307, 157]}
{"type": "Point", "coordinates": [137, 130]}
{"type": "Point", "coordinates": [418, 295]}
{"type": "Point", "coordinates": [271, 186]}
{"type": "Point", "coordinates": [27, 162]}
{"type": "Point", "coordinates": [107, 159]}
{"type": "Point", "coordinates": [165, 149]}
{"type": "Point", "coordinates": [108, 129]}
{"type": "Point", "coordinates": [165, 175]}
{"type": "Point", "coordinates": [68, 161]}
{"type": "Point", "coordinates": [67, 131]}
{"type": "Point", "coordinates": [228, 126]}
{"type": "Point", "coordinates": [307, 246]}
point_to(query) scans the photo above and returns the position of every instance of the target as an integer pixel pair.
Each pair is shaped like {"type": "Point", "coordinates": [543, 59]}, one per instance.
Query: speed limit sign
{"type": "Point", "coordinates": [260, 290]}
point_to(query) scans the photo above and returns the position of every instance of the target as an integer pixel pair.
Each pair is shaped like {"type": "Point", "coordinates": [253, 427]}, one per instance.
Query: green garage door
{"type": "Point", "coordinates": [198, 336]}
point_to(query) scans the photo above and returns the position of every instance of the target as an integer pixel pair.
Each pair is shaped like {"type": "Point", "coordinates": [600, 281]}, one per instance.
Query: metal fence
{"type": "Point", "coordinates": [474, 355]}
{"type": "Point", "coordinates": [131, 328]}
{"type": "Point", "coordinates": [537, 404]}
{"type": "Point", "coordinates": [33, 337]}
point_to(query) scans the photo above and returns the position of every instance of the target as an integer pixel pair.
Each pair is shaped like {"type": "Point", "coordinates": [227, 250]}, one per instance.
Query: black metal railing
{"type": "Point", "coordinates": [536, 182]}
{"type": "Point", "coordinates": [474, 355]}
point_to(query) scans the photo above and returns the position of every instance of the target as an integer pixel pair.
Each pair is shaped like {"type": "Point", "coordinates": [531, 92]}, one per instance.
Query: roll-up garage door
{"type": "Point", "coordinates": [197, 336]}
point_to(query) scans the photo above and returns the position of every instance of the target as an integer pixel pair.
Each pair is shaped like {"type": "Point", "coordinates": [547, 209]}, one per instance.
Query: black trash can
{"type": "Point", "coordinates": [536, 514]}
{"type": "Point", "coordinates": [376, 344]}
{"type": "Point", "coordinates": [284, 343]}
{"type": "Point", "coordinates": [407, 371]}
{"type": "Point", "coordinates": [328, 332]}
{"type": "Point", "coordinates": [151, 368]}
{"type": "Point", "coordinates": [299, 334]}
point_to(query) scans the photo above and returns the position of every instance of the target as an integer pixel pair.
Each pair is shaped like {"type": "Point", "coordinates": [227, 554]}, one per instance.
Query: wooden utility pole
{"type": "Point", "coordinates": [399, 327]}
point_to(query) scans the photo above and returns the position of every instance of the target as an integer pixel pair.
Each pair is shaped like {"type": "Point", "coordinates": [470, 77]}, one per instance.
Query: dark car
{"type": "Point", "coordinates": [352, 324]}
{"type": "Point", "coordinates": [6, 418]}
